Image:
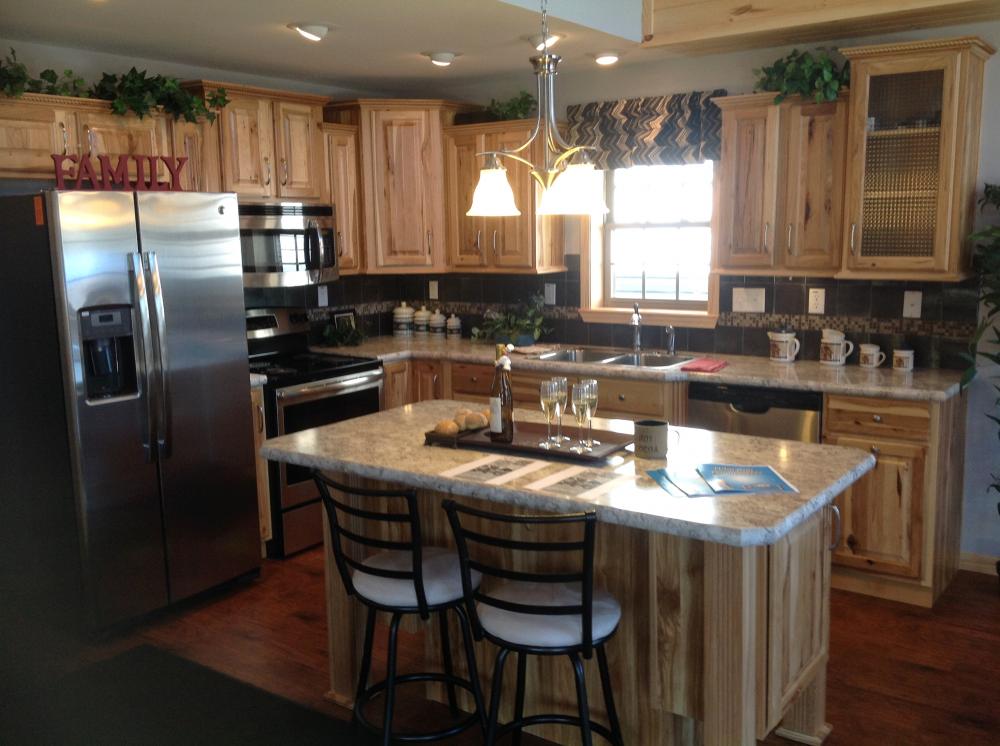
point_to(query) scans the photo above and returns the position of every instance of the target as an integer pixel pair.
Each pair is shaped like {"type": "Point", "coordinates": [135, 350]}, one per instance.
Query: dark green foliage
{"type": "Point", "coordinates": [527, 318]}
{"type": "Point", "coordinates": [343, 336]}
{"type": "Point", "coordinates": [133, 91]}
{"type": "Point", "coordinates": [520, 106]}
{"type": "Point", "coordinates": [818, 77]}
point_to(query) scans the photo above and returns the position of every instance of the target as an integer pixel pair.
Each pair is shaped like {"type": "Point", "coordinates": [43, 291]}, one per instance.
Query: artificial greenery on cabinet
{"type": "Point", "coordinates": [818, 76]}
{"type": "Point", "coordinates": [134, 92]}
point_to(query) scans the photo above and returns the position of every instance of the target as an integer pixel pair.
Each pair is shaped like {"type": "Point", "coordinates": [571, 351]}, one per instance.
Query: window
{"type": "Point", "coordinates": [658, 236]}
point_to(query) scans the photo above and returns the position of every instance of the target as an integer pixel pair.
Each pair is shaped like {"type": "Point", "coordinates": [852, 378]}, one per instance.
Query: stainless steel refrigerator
{"type": "Point", "coordinates": [132, 306]}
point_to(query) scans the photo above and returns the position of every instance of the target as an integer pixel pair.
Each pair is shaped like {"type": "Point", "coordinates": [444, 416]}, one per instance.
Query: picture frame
{"type": "Point", "coordinates": [345, 320]}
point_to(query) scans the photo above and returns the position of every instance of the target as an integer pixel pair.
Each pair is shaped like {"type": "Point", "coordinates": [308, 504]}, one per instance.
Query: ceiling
{"type": "Point", "coordinates": [372, 45]}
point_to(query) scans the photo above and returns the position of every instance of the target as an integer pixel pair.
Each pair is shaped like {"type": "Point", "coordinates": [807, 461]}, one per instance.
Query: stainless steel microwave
{"type": "Point", "coordinates": [288, 244]}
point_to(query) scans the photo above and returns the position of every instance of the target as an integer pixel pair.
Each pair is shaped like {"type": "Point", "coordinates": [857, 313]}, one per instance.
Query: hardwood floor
{"type": "Point", "coordinates": [898, 674]}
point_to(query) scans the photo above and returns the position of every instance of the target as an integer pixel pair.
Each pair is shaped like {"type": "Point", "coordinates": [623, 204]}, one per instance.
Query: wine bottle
{"type": "Point", "coordinates": [501, 400]}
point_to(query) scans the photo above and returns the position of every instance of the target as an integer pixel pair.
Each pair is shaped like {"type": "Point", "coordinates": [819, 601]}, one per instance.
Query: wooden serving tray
{"type": "Point", "coordinates": [527, 435]}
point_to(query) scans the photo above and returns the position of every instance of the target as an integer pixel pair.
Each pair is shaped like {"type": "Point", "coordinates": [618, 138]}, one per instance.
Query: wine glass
{"type": "Point", "coordinates": [581, 409]}
{"type": "Point", "coordinates": [561, 387]}
{"type": "Point", "coordinates": [593, 411]}
{"type": "Point", "coordinates": [548, 395]}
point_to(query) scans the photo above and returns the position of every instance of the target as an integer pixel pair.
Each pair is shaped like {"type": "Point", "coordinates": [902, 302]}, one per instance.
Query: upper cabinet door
{"type": "Point", "coordinates": [342, 167]}
{"type": "Point", "coordinates": [902, 151]}
{"type": "Point", "coordinates": [406, 169]}
{"type": "Point", "coordinates": [199, 143]}
{"type": "Point", "coordinates": [29, 135]}
{"type": "Point", "coordinates": [816, 138]}
{"type": "Point", "coordinates": [298, 144]}
{"type": "Point", "coordinates": [248, 166]}
{"type": "Point", "coordinates": [112, 135]}
{"type": "Point", "coordinates": [511, 239]}
{"type": "Point", "coordinates": [748, 186]}
{"type": "Point", "coordinates": [467, 244]}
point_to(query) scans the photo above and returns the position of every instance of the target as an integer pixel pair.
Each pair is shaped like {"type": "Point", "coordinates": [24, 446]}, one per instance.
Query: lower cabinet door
{"type": "Point", "coordinates": [427, 381]}
{"type": "Point", "coordinates": [396, 386]}
{"type": "Point", "coordinates": [883, 511]}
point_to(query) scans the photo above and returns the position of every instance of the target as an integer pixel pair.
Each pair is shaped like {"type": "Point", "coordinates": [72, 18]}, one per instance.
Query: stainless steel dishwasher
{"type": "Point", "coordinates": [756, 410]}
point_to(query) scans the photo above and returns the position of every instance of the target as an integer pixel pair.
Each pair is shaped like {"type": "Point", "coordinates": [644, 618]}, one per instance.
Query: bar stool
{"type": "Point", "coordinates": [533, 613]}
{"type": "Point", "coordinates": [405, 578]}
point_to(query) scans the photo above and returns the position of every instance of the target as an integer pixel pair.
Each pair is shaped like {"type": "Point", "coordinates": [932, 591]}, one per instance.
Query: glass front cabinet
{"type": "Point", "coordinates": [912, 158]}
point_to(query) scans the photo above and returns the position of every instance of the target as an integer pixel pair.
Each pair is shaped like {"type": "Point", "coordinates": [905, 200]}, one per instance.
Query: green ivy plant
{"type": "Point", "coordinates": [520, 106]}
{"type": "Point", "coordinates": [342, 336]}
{"type": "Point", "coordinates": [506, 326]}
{"type": "Point", "coordinates": [801, 73]}
{"type": "Point", "coordinates": [134, 91]}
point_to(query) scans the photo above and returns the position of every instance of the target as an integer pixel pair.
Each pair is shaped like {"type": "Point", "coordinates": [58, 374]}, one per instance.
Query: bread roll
{"type": "Point", "coordinates": [461, 420]}
{"type": "Point", "coordinates": [446, 427]}
{"type": "Point", "coordinates": [475, 421]}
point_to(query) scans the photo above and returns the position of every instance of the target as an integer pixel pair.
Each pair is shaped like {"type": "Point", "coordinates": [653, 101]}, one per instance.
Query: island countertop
{"type": "Point", "coordinates": [925, 384]}
{"type": "Point", "coordinates": [390, 446]}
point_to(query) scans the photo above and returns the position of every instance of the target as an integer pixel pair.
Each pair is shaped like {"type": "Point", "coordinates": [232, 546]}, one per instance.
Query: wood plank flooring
{"type": "Point", "coordinates": [898, 674]}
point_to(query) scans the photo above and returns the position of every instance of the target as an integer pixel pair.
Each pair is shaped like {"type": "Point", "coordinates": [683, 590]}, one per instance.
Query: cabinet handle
{"type": "Point", "coordinates": [788, 241]}
{"type": "Point", "coordinates": [90, 140]}
{"type": "Point", "coordinates": [65, 137]}
{"type": "Point", "coordinates": [429, 239]}
{"type": "Point", "coordinates": [840, 526]}
{"type": "Point", "coordinates": [621, 397]}
{"type": "Point", "coordinates": [876, 418]}
{"type": "Point", "coordinates": [260, 413]}
{"type": "Point", "coordinates": [853, 228]}
{"type": "Point", "coordinates": [284, 172]}
{"type": "Point", "coordinates": [494, 245]}
{"type": "Point", "coordinates": [876, 451]}
{"type": "Point", "coordinates": [767, 227]}
{"type": "Point", "coordinates": [479, 248]}
{"type": "Point", "coordinates": [267, 171]}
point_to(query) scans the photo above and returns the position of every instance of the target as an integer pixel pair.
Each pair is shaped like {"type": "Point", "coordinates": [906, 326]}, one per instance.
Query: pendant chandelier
{"type": "Point", "coordinates": [568, 187]}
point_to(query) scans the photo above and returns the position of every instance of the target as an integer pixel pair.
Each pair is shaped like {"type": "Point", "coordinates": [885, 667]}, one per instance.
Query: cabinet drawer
{"type": "Point", "coordinates": [525, 385]}
{"type": "Point", "coordinates": [630, 397]}
{"type": "Point", "coordinates": [471, 379]}
{"type": "Point", "coordinates": [878, 417]}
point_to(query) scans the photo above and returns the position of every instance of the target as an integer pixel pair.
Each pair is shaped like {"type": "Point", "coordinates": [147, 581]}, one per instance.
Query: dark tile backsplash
{"type": "Point", "coordinates": [866, 311]}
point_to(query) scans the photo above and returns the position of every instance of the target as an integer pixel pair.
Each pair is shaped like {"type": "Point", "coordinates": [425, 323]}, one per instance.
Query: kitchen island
{"type": "Point", "coordinates": [725, 600]}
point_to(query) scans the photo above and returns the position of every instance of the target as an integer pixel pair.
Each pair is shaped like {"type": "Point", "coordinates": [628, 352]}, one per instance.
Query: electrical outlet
{"type": "Point", "coordinates": [748, 300]}
{"type": "Point", "coordinates": [432, 289]}
{"type": "Point", "coordinates": [817, 300]}
{"type": "Point", "coordinates": [912, 300]}
{"type": "Point", "coordinates": [550, 293]}
{"type": "Point", "coordinates": [323, 296]}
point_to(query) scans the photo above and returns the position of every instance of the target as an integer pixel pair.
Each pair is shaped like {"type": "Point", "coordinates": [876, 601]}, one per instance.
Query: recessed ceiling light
{"type": "Point", "coordinates": [537, 42]}
{"type": "Point", "coordinates": [441, 59]}
{"type": "Point", "coordinates": [310, 31]}
{"type": "Point", "coordinates": [606, 58]}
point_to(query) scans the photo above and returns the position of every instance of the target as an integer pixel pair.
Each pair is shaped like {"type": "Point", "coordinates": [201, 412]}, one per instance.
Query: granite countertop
{"type": "Point", "coordinates": [390, 446]}
{"type": "Point", "coordinates": [808, 375]}
{"type": "Point", "coordinates": [257, 380]}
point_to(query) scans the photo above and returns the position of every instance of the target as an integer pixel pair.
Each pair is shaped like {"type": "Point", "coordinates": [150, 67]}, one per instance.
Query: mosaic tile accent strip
{"type": "Point", "coordinates": [857, 324]}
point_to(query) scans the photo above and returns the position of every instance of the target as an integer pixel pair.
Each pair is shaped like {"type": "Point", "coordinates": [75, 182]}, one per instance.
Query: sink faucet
{"type": "Point", "coordinates": [671, 338]}
{"type": "Point", "coordinates": [636, 329]}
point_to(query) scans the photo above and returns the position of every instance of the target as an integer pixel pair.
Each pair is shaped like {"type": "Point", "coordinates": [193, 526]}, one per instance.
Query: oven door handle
{"type": "Point", "coordinates": [329, 388]}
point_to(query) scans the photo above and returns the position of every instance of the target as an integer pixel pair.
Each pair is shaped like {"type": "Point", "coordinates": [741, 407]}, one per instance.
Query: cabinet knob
{"type": "Point", "coordinates": [876, 418]}
{"type": "Point", "coordinates": [475, 379]}
{"type": "Point", "coordinates": [876, 451]}
{"type": "Point", "coordinates": [621, 397]}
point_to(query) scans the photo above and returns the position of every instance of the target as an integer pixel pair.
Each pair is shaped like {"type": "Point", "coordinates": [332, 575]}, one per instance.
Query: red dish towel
{"type": "Point", "coordinates": [704, 365]}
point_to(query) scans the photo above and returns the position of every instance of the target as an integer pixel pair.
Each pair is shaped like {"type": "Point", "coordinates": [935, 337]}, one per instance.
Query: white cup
{"type": "Point", "coordinates": [652, 438]}
{"type": "Point", "coordinates": [870, 356]}
{"type": "Point", "coordinates": [833, 335]}
{"type": "Point", "coordinates": [784, 346]}
{"type": "Point", "coordinates": [902, 360]}
{"type": "Point", "coordinates": [835, 353]}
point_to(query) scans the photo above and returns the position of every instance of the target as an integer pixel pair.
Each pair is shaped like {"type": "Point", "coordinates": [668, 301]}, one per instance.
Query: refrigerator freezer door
{"type": "Point", "coordinates": [94, 245]}
{"type": "Point", "coordinates": [191, 245]}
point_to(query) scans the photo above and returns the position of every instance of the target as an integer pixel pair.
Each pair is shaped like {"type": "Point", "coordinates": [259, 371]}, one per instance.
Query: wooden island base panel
{"type": "Point", "coordinates": [725, 601]}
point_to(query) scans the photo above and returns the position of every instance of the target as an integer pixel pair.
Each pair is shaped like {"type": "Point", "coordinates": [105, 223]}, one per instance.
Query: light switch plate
{"type": "Point", "coordinates": [817, 300]}
{"type": "Point", "coordinates": [432, 289]}
{"type": "Point", "coordinates": [550, 293]}
{"type": "Point", "coordinates": [748, 300]}
{"type": "Point", "coordinates": [912, 300]}
{"type": "Point", "coordinates": [323, 296]}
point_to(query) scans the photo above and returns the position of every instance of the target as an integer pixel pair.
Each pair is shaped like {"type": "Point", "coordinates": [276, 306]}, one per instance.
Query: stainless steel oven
{"type": "Point", "coordinates": [288, 245]}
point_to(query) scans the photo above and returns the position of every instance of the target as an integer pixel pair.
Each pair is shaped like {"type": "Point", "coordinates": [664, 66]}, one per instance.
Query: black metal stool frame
{"type": "Point", "coordinates": [365, 693]}
{"type": "Point", "coordinates": [463, 537]}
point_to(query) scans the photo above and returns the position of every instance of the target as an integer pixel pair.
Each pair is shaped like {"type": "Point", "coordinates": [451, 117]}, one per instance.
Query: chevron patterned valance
{"type": "Point", "coordinates": [656, 130]}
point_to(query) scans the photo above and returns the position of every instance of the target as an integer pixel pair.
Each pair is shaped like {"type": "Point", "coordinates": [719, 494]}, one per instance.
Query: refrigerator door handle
{"type": "Point", "coordinates": [163, 421]}
{"type": "Point", "coordinates": [145, 351]}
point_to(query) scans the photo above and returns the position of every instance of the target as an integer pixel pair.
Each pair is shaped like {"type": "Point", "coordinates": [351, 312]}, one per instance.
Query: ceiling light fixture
{"type": "Point", "coordinates": [310, 31]}
{"type": "Point", "coordinates": [541, 41]}
{"type": "Point", "coordinates": [606, 58]}
{"type": "Point", "coordinates": [441, 59]}
{"type": "Point", "coordinates": [567, 188]}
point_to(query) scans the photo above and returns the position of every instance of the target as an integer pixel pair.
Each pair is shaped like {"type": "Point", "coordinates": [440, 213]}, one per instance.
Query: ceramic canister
{"type": "Point", "coordinates": [784, 346]}
{"type": "Point", "coordinates": [454, 328]}
{"type": "Point", "coordinates": [835, 353]}
{"type": "Point", "coordinates": [421, 321]}
{"type": "Point", "coordinates": [902, 360]}
{"type": "Point", "coordinates": [870, 356]}
{"type": "Point", "coordinates": [402, 320]}
{"type": "Point", "coordinates": [437, 324]}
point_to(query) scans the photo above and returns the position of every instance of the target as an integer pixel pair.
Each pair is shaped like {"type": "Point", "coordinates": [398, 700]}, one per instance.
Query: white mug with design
{"type": "Point", "coordinates": [870, 356]}
{"type": "Point", "coordinates": [835, 353]}
{"type": "Point", "coordinates": [902, 360]}
{"type": "Point", "coordinates": [784, 346]}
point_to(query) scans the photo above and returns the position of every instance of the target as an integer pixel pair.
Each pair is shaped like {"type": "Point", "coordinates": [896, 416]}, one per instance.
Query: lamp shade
{"type": "Point", "coordinates": [493, 196]}
{"type": "Point", "coordinates": [579, 190]}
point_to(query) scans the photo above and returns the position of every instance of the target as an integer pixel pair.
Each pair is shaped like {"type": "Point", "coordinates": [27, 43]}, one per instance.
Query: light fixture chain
{"type": "Point", "coordinates": [545, 26]}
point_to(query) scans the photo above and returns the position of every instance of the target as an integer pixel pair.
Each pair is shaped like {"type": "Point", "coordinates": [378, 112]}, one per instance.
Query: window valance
{"type": "Point", "coordinates": [654, 130]}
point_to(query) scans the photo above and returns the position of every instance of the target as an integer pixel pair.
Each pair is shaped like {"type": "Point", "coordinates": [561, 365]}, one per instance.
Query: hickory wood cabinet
{"type": "Point", "coordinates": [271, 144]}
{"type": "Point", "coordinates": [340, 155]}
{"type": "Point", "coordinates": [199, 143]}
{"type": "Point", "coordinates": [900, 522]}
{"type": "Point", "coordinates": [524, 243]}
{"type": "Point", "coordinates": [409, 381]}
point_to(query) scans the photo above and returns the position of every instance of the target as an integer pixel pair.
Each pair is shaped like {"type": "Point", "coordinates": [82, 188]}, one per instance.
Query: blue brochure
{"type": "Point", "coordinates": [724, 478]}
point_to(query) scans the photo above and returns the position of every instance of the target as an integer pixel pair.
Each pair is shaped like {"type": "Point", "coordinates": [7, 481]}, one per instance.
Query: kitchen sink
{"type": "Point", "coordinates": [579, 356]}
{"type": "Point", "coordinates": [649, 359]}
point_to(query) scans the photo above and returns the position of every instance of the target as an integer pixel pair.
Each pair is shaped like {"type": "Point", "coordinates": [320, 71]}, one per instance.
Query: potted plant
{"type": "Point", "coordinates": [522, 326]}
{"type": "Point", "coordinates": [819, 76]}
{"type": "Point", "coordinates": [521, 106]}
